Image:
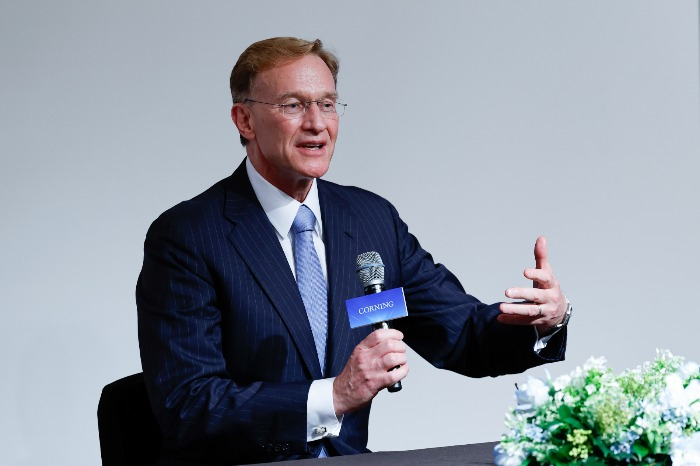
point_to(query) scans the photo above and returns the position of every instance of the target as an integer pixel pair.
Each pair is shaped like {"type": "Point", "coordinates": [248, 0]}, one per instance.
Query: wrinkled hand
{"type": "Point", "coordinates": [368, 370]}
{"type": "Point", "coordinates": [545, 303]}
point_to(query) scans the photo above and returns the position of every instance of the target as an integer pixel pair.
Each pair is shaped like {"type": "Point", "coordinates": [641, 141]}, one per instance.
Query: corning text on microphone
{"type": "Point", "coordinates": [375, 307]}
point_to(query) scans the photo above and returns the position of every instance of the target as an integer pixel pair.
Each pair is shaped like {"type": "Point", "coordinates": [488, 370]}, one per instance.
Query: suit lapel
{"type": "Point", "coordinates": [339, 230]}
{"type": "Point", "coordinates": [255, 239]}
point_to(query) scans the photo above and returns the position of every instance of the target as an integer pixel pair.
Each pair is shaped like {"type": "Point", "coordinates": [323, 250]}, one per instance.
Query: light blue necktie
{"type": "Point", "coordinates": [310, 281]}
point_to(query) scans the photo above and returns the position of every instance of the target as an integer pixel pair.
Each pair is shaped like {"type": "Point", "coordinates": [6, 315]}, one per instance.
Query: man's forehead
{"type": "Point", "coordinates": [299, 77]}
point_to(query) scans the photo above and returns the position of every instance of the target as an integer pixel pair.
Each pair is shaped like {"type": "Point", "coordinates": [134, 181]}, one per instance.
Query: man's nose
{"type": "Point", "coordinates": [313, 119]}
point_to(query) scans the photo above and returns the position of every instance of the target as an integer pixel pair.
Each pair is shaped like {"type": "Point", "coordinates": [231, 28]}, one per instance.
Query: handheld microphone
{"type": "Point", "coordinates": [370, 270]}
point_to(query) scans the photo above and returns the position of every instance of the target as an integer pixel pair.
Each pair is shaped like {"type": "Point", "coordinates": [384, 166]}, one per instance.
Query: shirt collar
{"type": "Point", "coordinates": [279, 207]}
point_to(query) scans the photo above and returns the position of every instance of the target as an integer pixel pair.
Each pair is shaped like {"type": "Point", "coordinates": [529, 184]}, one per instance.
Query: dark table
{"type": "Point", "coordinates": [475, 454]}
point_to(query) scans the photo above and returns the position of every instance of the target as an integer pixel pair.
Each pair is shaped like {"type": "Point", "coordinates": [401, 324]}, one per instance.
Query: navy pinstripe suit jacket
{"type": "Point", "coordinates": [226, 347]}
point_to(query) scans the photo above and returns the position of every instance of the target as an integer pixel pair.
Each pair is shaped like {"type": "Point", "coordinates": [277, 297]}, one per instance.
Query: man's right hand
{"type": "Point", "coordinates": [369, 370]}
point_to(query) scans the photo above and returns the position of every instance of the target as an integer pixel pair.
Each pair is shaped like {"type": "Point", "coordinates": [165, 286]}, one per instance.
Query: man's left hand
{"type": "Point", "coordinates": [544, 305]}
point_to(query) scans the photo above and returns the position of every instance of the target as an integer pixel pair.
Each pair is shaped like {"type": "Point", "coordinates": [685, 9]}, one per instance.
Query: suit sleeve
{"type": "Point", "coordinates": [452, 329]}
{"type": "Point", "coordinates": [198, 404]}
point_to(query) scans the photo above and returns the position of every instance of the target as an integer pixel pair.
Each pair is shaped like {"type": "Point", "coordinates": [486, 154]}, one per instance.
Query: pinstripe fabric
{"type": "Point", "coordinates": [227, 350]}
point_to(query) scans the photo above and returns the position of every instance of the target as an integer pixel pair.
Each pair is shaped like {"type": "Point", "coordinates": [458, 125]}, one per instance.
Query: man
{"type": "Point", "coordinates": [243, 362]}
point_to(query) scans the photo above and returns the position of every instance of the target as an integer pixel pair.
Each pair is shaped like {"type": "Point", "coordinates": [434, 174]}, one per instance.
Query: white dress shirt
{"type": "Point", "coordinates": [281, 209]}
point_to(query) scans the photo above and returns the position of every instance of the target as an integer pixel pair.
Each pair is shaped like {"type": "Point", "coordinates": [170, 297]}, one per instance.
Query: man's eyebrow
{"type": "Point", "coordinates": [296, 95]}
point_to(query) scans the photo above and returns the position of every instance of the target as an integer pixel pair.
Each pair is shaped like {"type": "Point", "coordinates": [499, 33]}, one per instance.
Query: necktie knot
{"type": "Point", "coordinates": [304, 221]}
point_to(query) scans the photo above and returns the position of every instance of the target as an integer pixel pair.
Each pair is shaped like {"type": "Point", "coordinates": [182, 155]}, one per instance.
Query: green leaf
{"type": "Point", "coordinates": [565, 411]}
{"type": "Point", "coordinates": [640, 450]}
{"type": "Point", "coordinates": [595, 462]}
{"type": "Point", "coordinates": [567, 415]}
{"type": "Point", "coordinates": [598, 442]}
{"type": "Point", "coordinates": [562, 454]}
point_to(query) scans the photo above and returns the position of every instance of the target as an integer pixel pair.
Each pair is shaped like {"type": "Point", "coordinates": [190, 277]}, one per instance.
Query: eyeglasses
{"type": "Point", "coordinates": [329, 108]}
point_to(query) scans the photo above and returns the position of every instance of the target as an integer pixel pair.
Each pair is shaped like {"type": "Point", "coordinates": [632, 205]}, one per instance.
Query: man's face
{"type": "Point", "coordinates": [289, 152]}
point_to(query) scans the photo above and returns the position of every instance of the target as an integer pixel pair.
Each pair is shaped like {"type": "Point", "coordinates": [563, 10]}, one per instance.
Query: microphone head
{"type": "Point", "coordinates": [370, 268]}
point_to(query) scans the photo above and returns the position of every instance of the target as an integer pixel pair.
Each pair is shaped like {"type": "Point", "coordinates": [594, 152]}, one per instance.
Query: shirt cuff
{"type": "Point", "coordinates": [541, 343]}
{"type": "Point", "coordinates": [321, 420]}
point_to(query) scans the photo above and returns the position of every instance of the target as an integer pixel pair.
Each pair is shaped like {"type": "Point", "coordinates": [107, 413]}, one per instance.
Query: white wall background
{"type": "Point", "coordinates": [486, 123]}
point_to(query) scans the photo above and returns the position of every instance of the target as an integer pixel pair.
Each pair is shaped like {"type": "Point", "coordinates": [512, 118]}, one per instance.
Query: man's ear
{"type": "Point", "coordinates": [242, 118]}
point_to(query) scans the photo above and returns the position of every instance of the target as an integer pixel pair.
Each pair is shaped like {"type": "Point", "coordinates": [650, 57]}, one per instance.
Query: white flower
{"type": "Point", "coordinates": [508, 456]}
{"type": "Point", "coordinates": [538, 390]}
{"type": "Point", "coordinates": [533, 394]}
{"type": "Point", "coordinates": [685, 451]}
{"type": "Point", "coordinates": [692, 393]}
{"type": "Point", "coordinates": [594, 363]}
{"type": "Point", "coordinates": [673, 396]}
{"type": "Point", "coordinates": [678, 400]}
{"type": "Point", "coordinates": [689, 369]}
{"type": "Point", "coordinates": [523, 402]}
{"type": "Point", "coordinates": [562, 382]}
{"type": "Point", "coordinates": [559, 397]}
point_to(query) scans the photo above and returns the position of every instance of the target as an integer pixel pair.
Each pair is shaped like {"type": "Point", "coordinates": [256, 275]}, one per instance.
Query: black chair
{"type": "Point", "coordinates": [129, 432]}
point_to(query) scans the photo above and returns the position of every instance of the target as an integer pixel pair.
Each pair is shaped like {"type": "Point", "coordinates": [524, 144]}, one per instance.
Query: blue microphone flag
{"type": "Point", "coordinates": [377, 307]}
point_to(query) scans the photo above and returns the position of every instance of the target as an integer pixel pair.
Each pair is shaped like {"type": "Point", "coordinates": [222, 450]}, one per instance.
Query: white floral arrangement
{"type": "Point", "coordinates": [647, 415]}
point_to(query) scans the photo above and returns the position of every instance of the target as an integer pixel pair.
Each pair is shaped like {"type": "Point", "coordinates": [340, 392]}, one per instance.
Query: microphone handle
{"type": "Point", "coordinates": [397, 386]}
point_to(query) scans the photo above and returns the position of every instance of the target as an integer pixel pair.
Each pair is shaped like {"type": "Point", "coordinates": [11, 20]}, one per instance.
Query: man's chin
{"type": "Point", "coordinates": [314, 170]}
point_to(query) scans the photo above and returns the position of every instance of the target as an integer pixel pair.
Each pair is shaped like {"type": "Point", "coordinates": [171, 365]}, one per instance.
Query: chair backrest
{"type": "Point", "coordinates": [129, 432]}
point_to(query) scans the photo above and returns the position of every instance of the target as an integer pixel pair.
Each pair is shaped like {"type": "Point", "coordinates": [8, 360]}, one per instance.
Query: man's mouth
{"type": "Point", "coordinates": [313, 146]}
